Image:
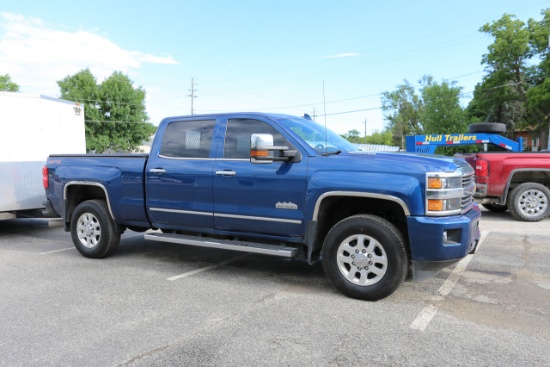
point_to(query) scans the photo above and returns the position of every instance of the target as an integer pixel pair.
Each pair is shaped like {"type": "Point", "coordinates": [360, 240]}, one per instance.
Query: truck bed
{"type": "Point", "coordinates": [120, 175]}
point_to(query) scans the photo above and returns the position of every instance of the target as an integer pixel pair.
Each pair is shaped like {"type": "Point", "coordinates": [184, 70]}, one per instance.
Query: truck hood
{"type": "Point", "coordinates": [400, 162]}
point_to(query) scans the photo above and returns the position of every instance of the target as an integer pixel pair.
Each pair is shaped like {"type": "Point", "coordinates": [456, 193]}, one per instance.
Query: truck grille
{"type": "Point", "coordinates": [469, 187]}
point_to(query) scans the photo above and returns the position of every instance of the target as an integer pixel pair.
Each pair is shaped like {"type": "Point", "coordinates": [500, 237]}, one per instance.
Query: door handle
{"type": "Point", "coordinates": [157, 170]}
{"type": "Point", "coordinates": [226, 173]}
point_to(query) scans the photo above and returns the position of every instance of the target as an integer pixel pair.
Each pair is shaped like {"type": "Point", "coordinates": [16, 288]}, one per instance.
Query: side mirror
{"type": "Point", "coordinates": [262, 150]}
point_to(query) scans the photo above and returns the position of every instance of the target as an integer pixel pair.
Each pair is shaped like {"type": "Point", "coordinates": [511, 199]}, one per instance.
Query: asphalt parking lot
{"type": "Point", "coordinates": [157, 304]}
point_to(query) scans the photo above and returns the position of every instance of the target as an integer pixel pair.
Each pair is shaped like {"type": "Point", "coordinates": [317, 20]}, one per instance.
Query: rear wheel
{"type": "Point", "coordinates": [364, 257]}
{"type": "Point", "coordinates": [529, 202]}
{"type": "Point", "coordinates": [93, 230]}
{"type": "Point", "coordinates": [497, 208]}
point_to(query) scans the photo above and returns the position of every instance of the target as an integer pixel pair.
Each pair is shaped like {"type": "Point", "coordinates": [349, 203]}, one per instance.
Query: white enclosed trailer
{"type": "Point", "coordinates": [31, 128]}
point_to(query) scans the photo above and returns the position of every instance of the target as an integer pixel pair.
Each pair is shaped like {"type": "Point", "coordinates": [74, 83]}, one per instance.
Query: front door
{"type": "Point", "coordinates": [257, 198]}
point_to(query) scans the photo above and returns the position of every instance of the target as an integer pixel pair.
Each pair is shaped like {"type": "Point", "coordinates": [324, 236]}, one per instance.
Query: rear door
{"type": "Point", "coordinates": [257, 198]}
{"type": "Point", "coordinates": [179, 176]}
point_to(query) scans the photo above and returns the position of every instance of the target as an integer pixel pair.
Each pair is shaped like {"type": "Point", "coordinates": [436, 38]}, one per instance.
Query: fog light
{"type": "Point", "coordinates": [444, 236]}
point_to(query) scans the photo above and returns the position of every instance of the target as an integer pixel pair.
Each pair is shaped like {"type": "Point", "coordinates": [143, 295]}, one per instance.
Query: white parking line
{"type": "Point", "coordinates": [53, 252]}
{"type": "Point", "coordinates": [428, 313]}
{"type": "Point", "coordinates": [193, 272]}
{"type": "Point", "coordinates": [55, 222]}
{"type": "Point", "coordinates": [424, 318]}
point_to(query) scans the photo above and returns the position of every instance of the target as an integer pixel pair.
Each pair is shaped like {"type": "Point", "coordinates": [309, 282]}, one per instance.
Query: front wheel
{"type": "Point", "coordinates": [364, 257]}
{"type": "Point", "coordinates": [529, 202]}
{"type": "Point", "coordinates": [93, 231]}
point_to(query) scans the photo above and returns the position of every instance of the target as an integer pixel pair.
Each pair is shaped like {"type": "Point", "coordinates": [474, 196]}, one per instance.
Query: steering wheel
{"type": "Point", "coordinates": [319, 146]}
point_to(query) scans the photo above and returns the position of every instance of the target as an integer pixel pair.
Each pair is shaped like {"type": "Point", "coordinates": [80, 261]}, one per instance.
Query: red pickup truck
{"type": "Point", "coordinates": [518, 182]}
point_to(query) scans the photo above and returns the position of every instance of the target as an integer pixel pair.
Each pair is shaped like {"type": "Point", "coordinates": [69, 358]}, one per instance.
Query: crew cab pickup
{"type": "Point", "coordinates": [518, 182]}
{"type": "Point", "coordinates": [276, 185]}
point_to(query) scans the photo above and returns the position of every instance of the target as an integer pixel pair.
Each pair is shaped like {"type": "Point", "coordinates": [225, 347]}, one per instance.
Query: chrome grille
{"type": "Point", "coordinates": [469, 188]}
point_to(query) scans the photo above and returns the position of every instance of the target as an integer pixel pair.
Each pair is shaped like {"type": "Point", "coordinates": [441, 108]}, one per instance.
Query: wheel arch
{"type": "Point", "coordinates": [521, 175]}
{"type": "Point", "coordinates": [334, 206]}
{"type": "Point", "coordinates": [76, 192]}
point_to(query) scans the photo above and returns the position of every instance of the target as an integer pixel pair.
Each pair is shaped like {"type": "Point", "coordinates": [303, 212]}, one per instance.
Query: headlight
{"type": "Point", "coordinates": [444, 182]}
{"type": "Point", "coordinates": [444, 193]}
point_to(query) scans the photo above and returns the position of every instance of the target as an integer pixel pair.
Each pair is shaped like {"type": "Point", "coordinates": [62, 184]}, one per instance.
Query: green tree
{"type": "Point", "coordinates": [6, 85]}
{"type": "Point", "coordinates": [442, 112]}
{"type": "Point", "coordinates": [501, 96]}
{"type": "Point", "coordinates": [381, 138]}
{"type": "Point", "coordinates": [114, 110]}
{"type": "Point", "coordinates": [435, 109]}
{"type": "Point", "coordinates": [82, 87]}
{"type": "Point", "coordinates": [353, 137]}
{"type": "Point", "coordinates": [538, 96]}
{"type": "Point", "coordinates": [402, 110]}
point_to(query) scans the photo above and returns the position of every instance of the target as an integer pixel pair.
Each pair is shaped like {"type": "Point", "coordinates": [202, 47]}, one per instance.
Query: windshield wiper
{"type": "Point", "coordinates": [330, 153]}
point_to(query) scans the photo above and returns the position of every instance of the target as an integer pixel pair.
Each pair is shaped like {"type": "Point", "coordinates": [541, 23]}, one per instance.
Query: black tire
{"type": "Point", "coordinates": [529, 202]}
{"type": "Point", "coordinates": [355, 247]}
{"type": "Point", "coordinates": [93, 230]}
{"type": "Point", "coordinates": [487, 127]}
{"type": "Point", "coordinates": [496, 208]}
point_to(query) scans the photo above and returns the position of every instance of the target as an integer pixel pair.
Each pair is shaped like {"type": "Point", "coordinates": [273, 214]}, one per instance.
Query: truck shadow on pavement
{"type": "Point", "coordinates": [179, 258]}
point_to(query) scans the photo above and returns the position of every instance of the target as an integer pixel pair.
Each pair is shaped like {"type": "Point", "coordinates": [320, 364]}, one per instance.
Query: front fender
{"type": "Point", "coordinates": [405, 190]}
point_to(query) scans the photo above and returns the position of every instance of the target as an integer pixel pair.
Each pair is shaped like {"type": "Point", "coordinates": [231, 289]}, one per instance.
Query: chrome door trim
{"type": "Point", "coordinates": [266, 219]}
{"type": "Point", "coordinates": [179, 211]}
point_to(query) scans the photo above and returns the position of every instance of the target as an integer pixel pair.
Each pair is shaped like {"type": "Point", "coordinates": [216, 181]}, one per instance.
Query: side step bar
{"type": "Point", "coordinates": [257, 248]}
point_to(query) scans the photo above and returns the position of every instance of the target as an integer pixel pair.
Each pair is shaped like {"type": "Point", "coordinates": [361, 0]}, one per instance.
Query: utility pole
{"type": "Point", "coordinates": [192, 95]}
{"type": "Point", "coordinates": [365, 130]}
{"type": "Point", "coordinates": [313, 114]}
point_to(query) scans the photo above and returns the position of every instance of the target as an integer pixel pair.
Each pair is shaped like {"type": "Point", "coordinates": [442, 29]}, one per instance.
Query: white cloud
{"type": "Point", "coordinates": [166, 60]}
{"type": "Point", "coordinates": [339, 56]}
{"type": "Point", "coordinates": [36, 55]}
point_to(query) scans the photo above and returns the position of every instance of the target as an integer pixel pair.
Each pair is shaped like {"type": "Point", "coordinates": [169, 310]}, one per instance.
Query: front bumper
{"type": "Point", "coordinates": [437, 242]}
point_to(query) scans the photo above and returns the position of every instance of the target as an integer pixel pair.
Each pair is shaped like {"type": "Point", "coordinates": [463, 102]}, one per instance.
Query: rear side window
{"type": "Point", "coordinates": [188, 139]}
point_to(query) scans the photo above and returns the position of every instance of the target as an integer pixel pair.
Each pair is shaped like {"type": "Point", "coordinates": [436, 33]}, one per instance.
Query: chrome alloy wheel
{"type": "Point", "coordinates": [362, 260]}
{"type": "Point", "coordinates": [533, 202]}
{"type": "Point", "coordinates": [88, 230]}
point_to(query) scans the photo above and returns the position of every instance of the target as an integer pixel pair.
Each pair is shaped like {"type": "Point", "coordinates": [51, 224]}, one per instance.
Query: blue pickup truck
{"type": "Point", "coordinates": [278, 185]}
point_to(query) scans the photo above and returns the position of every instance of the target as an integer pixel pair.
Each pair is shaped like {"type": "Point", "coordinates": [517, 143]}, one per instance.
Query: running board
{"type": "Point", "coordinates": [256, 248]}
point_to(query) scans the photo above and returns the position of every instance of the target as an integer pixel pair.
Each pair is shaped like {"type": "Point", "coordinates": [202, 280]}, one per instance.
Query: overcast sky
{"type": "Point", "coordinates": [284, 56]}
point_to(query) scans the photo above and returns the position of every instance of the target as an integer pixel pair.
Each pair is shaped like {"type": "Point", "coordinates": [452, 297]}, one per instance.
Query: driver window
{"type": "Point", "coordinates": [237, 137]}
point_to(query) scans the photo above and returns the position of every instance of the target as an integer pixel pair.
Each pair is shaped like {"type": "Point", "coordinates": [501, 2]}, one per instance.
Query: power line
{"type": "Point", "coordinates": [309, 104]}
{"type": "Point", "coordinates": [116, 122]}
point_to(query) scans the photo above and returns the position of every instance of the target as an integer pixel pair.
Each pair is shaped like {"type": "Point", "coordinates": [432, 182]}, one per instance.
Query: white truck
{"type": "Point", "coordinates": [31, 128]}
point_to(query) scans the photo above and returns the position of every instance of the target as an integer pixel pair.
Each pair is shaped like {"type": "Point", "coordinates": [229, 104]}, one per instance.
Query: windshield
{"type": "Point", "coordinates": [316, 136]}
